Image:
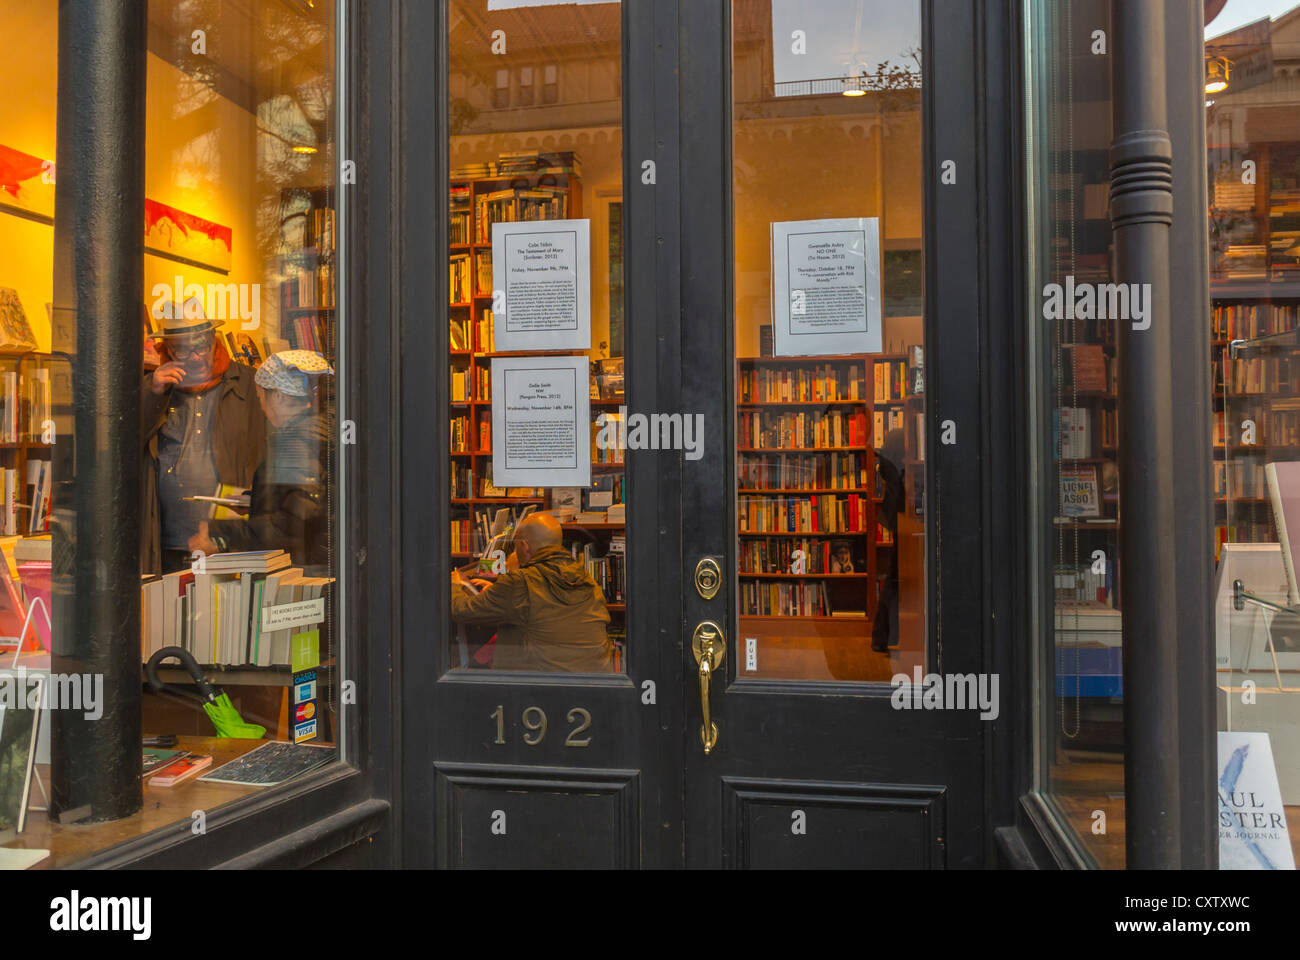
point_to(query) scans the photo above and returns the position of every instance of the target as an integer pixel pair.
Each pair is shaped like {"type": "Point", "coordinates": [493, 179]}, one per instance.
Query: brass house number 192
{"type": "Point", "coordinates": [534, 720]}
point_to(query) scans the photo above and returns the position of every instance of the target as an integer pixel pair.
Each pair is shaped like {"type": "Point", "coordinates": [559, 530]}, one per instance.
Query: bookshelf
{"type": "Point", "coordinates": [307, 266]}
{"type": "Point", "coordinates": [523, 187]}
{"type": "Point", "coordinates": [1255, 313]}
{"type": "Point", "coordinates": [25, 404]}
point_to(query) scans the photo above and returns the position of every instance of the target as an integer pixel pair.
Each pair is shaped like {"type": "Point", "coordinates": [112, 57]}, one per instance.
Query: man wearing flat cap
{"type": "Point", "coordinates": [287, 509]}
{"type": "Point", "coordinates": [201, 427]}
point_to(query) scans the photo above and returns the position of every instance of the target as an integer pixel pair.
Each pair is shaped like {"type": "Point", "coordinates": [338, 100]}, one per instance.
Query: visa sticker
{"type": "Point", "coordinates": [304, 731]}
{"type": "Point", "coordinates": [304, 691]}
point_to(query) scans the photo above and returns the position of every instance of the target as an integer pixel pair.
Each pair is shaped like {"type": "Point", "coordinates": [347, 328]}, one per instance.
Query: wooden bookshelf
{"type": "Point", "coordinates": [21, 433]}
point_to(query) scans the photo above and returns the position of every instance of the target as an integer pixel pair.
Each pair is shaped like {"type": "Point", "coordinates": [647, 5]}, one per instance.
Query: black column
{"type": "Point", "coordinates": [1141, 197]}
{"type": "Point", "coordinates": [98, 297]}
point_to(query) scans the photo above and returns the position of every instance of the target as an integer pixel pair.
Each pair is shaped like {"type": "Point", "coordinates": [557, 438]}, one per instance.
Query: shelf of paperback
{"type": "Point", "coordinates": [811, 440]}
{"type": "Point", "coordinates": [1258, 423]}
{"type": "Point", "coordinates": [523, 187]}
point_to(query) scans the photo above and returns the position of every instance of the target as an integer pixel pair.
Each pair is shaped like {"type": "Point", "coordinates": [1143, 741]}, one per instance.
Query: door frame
{"type": "Point", "coordinates": [665, 119]}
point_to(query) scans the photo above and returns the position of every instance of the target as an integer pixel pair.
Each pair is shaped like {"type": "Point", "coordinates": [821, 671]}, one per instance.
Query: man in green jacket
{"type": "Point", "coordinates": [549, 614]}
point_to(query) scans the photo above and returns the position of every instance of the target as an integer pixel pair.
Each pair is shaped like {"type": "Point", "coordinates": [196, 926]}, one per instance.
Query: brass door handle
{"type": "Point", "coordinates": [710, 647]}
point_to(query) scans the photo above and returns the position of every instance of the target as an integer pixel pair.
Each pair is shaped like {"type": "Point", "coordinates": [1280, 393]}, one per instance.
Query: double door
{"type": "Point", "coordinates": [785, 302]}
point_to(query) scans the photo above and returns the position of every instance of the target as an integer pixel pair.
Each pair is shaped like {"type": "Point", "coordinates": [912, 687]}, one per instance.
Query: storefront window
{"type": "Point", "coordinates": [239, 396]}
{"type": "Point", "coordinates": [1252, 122]}
{"type": "Point", "coordinates": [829, 339]}
{"type": "Point", "coordinates": [1076, 511]}
{"type": "Point", "coordinates": [538, 409]}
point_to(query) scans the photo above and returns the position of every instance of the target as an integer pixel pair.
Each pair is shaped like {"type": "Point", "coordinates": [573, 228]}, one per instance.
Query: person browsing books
{"type": "Point", "coordinates": [199, 429]}
{"type": "Point", "coordinates": [549, 613]}
{"type": "Point", "coordinates": [287, 505]}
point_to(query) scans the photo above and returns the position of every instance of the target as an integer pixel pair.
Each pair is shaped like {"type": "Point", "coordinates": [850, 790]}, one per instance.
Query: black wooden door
{"type": "Point", "coordinates": [821, 757]}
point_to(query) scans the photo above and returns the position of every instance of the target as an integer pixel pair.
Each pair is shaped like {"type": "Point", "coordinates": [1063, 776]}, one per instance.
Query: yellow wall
{"type": "Point", "coordinates": [201, 157]}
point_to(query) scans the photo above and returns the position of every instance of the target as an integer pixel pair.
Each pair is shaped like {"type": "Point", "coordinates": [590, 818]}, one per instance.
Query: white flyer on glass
{"type": "Point", "coordinates": [1253, 834]}
{"type": "Point", "coordinates": [541, 285]}
{"type": "Point", "coordinates": [541, 422]}
{"type": "Point", "coordinates": [826, 287]}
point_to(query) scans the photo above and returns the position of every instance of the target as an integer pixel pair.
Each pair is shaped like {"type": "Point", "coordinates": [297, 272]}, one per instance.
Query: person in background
{"type": "Point", "coordinates": [889, 459]}
{"type": "Point", "coordinates": [287, 507]}
{"type": "Point", "coordinates": [200, 428]}
{"type": "Point", "coordinates": [549, 613]}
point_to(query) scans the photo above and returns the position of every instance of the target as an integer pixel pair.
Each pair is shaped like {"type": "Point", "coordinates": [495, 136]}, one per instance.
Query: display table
{"type": "Point", "coordinates": [163, 807]}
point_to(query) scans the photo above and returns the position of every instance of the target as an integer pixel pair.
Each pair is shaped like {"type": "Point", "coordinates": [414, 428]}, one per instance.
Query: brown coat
{"type": "Point", "coordinates": [238, 445]}
{"type": "Point", "coordinates": [550, 615]}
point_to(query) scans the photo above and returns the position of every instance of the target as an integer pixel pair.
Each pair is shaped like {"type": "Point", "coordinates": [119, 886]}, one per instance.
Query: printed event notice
{"type": "Point", "coordinates": [541, 285]}
{"type": "Point", "coordinates": [541, 422]}
{"type": "Point", "coordinates": [826, 287]}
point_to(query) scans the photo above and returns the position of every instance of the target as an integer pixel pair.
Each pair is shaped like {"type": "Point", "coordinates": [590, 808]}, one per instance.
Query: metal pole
{"type": "Point", "coordinates": [98, 297]}
{"type": "Point", "coordinates": [1141, 192]}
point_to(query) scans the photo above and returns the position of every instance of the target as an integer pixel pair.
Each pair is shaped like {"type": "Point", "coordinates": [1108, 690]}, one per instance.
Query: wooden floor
{"type": "Point", "coordinates": [163, 806]}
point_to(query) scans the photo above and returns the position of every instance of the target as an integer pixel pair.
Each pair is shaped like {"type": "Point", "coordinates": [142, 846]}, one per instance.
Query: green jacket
{"type": "Point", "coordinates": [550, 616]}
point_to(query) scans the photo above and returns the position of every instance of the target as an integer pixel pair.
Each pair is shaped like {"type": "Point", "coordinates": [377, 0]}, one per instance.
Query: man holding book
{"type": "Point", "coordinates": [549, 613]}
{"type": "Point", "coordinates": [201, 429]}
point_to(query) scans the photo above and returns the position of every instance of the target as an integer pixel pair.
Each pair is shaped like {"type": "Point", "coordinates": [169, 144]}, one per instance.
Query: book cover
{"type": "Point", "coordinates": [183, 769]}
{"type": "Point", "coordinates": [1079, 493]}
{"type": "Point", "coordinates": [156, 759]}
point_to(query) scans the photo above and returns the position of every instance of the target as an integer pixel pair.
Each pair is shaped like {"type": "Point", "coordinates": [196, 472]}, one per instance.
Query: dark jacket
{"type": "Point", "coordinates": [238, 444]}
{"type": "Point", "coordinates": [550, 615]}
{"type": "Point", "coordinates": [287, 507]}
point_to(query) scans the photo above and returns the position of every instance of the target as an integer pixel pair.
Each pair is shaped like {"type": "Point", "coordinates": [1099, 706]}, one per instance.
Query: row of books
{"type": "Point", "coordinates": [461, 534]}
{"type": "Point", "coordinates": [464, 432]}
{"type": "Point", "coordinates": [1245, 321]}
{"type": "Point", "coordinates": [460, 211]}
{"type": "Point", "coordinates": [19, 517]}
{"type": "Point", "coordinates": [518, 204]}
{"type": "Point", "coordinates": [1088, 368]}
{"type": "Point", "coordinates": [609, 453]}
{"type": "Point", "coordinates": [768, 430]}
{"type": "Point", "coordinates": [536, 163]}
{"type": "Point", "coordinates": [800, 555]}
{"type": "Point", "coordinates": [469, 384]}
{"type": "Point", "coordinates": [807, 471]}
{"type": "Point", "coordinates": [891, 381]}
{"type": "Point", "coordinates": [883, 421]}
{"type": "Point", "coordinates": [1076, 585]}
{"type": "Point", "coordinates": [1247, 375]}
{"type": "Point", "coordinates": [462, 482]}
{"type": "Point", "coordinates": [311, 287]}
{"type": "Point", "coordinates": [778, 599]}
{"type": "Point", "coordinates": [608, 570]}
{"type": "Point", "coordinates": [307, 332]}
{"type": "Point", "coordinates": [828, 383]}
{"type": "Point", "coordinates": [217, 615]}
{"type": "Point", "coordinates": [25, 405]}
{"type": "Point", "coordinates": [1240, 478]}
{"type": "Point", "coordinates": [825, 513]}
{"type": "Point", "coordinates": [458, 284]}
{"type": "Point", "coordinates": [1072, 433]}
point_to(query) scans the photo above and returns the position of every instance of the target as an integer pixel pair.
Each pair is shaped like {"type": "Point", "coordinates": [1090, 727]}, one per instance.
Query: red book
{"type": "Point", "coordinates": [180, 770]}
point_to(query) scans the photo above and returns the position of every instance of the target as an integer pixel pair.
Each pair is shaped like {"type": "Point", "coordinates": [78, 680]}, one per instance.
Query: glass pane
{"type": "Point", "coordinates": [830, 426]}
{"type": "Point", "coordinates": [544, 558]}
{"type": "Point", "coordinates": [1075, 521]}
{"type": "Point", "coordinates": [238, 394]}
{"type": "Point", "coordinates": [1252, 125]}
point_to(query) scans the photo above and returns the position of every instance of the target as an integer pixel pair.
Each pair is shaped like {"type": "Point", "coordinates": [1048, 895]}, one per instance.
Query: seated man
{"type": "Point", "coordinates": [549, 613]}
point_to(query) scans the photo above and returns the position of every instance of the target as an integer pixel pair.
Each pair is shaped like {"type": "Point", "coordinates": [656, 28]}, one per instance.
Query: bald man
{"type": "Point", "coordinates": [549, 614]}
